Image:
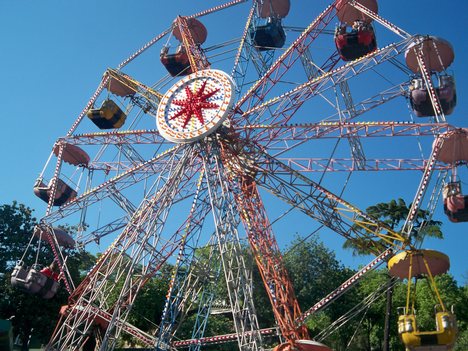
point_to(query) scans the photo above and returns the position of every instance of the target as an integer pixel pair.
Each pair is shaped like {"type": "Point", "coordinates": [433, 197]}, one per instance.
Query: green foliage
{"type": "Point", "coordinates": [217, 325]}
{"type": "Point", "coordinates": [315, 272]}
{"type": "Point", "coordinates": [149, 306]}
{"type": "Point", "coordinates": [461, 311]}
{"type": "Point", "coordinates": [32, 314]}
{"type": "Point", "coordinates": [16, 226]}
{"type": "Point", "coordinates": [147, 310]}
{"type": "Point", "coordinates": [391, 213]}
{"type": "Point", "coordinates": [313, 269]}
{"type": "Point", "coordinates": [394, 214]}
{"type": "Point", "coordinates": [462, 341]}
{"type": "Point", "coordinates": [370, 334]}
{"type": "Point", "coordinates": [261, 300]}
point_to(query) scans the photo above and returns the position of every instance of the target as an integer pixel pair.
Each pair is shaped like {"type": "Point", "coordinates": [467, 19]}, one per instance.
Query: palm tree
{"type": "Point", "coordinates": [394, 214]}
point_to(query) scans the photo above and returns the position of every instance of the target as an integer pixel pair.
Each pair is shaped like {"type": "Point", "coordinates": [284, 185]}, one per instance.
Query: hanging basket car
{"type": "Point", "coordinates": [33, 281]}
{"type": "Point", "coordinates": [443, 338]}
{"type": "Point", "coordinates": [177, 64]}
{"type": "Point", "coordinates": [108, 116]}
{"type": "Point", "coordinates": [423, 264]}
{"type": "Point", "coordinates": [455, 204]}
{"type": "Point", "coordinates": [357, 43]}
{"type": "Point", "coordinates": [420, 100]}
{"type": "Point", "coordinates": [63, 193]}
{"type": "Point", "coordinates": [270, 35]}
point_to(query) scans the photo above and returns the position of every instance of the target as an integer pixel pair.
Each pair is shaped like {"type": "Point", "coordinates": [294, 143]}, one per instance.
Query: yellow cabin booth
{"type": "Point", "coordinates": [423, 264]}
{"type": "Point", "coordinates": [108, 116]}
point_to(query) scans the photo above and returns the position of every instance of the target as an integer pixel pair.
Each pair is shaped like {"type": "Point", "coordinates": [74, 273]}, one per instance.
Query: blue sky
{"type": "Point", "coordinates": [53, 54]}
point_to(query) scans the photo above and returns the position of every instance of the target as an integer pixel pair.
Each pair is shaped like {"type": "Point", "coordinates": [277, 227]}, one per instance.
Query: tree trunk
{"type": "Point", "coordinates": [25, 343]}
{"type": "Point", "coordinates": [388, 313]}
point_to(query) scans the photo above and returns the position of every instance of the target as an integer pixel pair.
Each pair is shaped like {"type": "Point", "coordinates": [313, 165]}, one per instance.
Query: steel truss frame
{"type": "Point", "coordinates": [238, 278]}
{"type": "Point", "coordinates": [231, 171]}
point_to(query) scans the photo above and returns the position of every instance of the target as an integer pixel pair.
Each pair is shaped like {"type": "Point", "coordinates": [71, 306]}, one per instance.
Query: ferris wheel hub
{"type": "Point", "coordinates": [195, 106]}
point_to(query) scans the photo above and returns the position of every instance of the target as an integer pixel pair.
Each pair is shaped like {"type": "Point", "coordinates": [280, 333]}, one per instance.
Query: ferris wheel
{"type": "Point", "coordinates": [155, 170]}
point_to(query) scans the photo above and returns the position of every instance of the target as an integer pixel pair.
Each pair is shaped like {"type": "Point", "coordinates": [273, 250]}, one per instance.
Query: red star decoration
{"type": "Point", "coordinates": [194, 104]}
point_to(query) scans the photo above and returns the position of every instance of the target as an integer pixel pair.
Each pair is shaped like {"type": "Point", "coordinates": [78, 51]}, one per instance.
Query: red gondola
{"type": "Point", "coordinates": [177, 64]}
{"type": "Point", "coordinates": [453, 149]}
{"type": "Point", "coordinates": [455, 204]}
{"type": "Point", "coordinates": [359, 42]}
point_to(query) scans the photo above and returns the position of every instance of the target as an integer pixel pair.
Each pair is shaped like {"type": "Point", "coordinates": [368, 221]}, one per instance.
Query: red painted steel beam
{"type": "Point", "coordinates": [269, 261]}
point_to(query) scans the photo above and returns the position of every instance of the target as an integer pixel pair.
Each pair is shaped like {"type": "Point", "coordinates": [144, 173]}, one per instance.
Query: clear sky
{"type": "Point", "coordinates": [53, 54]}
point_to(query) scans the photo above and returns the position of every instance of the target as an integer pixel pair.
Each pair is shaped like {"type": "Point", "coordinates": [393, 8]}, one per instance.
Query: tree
{"type": "Point", "coordinates": [394, 214]}
{"type": "Point", "coordinates": [32, 314]}
{"type": "Point", "coordinates": [461, 310]}
{"type": "Point", "coordinates": [315, 272]}
{"type": "Point", "coordinates": [16, 224]}
{"type": "Point", "coordinates": [147, 309]}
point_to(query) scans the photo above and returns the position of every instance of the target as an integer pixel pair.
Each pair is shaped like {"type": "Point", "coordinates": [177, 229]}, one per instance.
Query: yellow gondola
{"type": "Point", "coordinates": [425, 264]}
{"type": "Point", "coordinates": [108, 116]}
{"type": "Point", "coordinates": [443, 338]}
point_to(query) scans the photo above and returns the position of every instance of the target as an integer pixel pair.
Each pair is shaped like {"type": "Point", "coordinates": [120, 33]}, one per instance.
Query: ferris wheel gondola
{"type": "Point", "coordinates": [178, 63]}
{"type": "Point", "coordinates": [360, 40]}
{"type": "Point", "coordinates": [37, 279]}
{"type": "Point", "coordinates": [271, 35]}
{"type": "Point", "coordinates": [423, 265]}
{"type": "Point", "coordinates": [453, 151]}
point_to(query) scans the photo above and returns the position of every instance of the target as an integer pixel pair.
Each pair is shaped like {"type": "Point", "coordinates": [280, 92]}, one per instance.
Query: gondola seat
{"type": "Point", "coordinates": [455, 204]}
{"type": "Point", "coordinates": [443, 338]}
{"type": "Point", "coordinates": [63, 194]}
{"type": "Point", "coordinates": [108, 116]}
{"type": "Point", "coordinates": [269, 36]}
{"type": "Point", "coordinates": [420, 100]}
{"type": "Point", "coordinates": [32, 281]}
{"type": "Point", "coordinates": [355, 44]}
{"type": "Point", "coordinates": [177, 64]}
